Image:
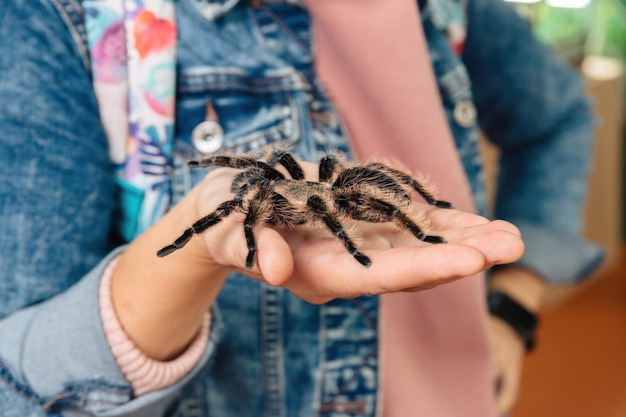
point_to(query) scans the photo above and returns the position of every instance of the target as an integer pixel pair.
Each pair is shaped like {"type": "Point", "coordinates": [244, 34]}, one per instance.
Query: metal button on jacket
{"type": "Point", "coordinates": [465, 113]}
{"type": "Point", "coordinates": [208, 136]}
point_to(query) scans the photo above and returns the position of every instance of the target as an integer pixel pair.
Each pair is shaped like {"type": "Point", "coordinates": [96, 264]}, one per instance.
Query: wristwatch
{"type": "Point", "coordinates": [523, 321]}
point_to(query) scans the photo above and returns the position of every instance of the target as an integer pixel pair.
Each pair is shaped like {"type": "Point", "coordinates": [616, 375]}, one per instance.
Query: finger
{"type": "Point", "coordinates": [446, 219]}
{"type": "Point", "coordinates": [325, 275]}
{"type": "Point", "coordinates": [498, 246]}
{"type": "Point", "coordinates": [506, 394]}
{"type": "Point", "coordinates": [450, 218]}
{"type": "Point", "coordinates": [499, 242]}
{"type": "Point", "coordinates": [275, 260]}
{"type": "Point", "coordinates": [401, 269]}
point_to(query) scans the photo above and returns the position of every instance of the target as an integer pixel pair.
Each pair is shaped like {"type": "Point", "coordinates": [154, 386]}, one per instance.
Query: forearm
{"type": "Point", "coordinates": [161, 302]}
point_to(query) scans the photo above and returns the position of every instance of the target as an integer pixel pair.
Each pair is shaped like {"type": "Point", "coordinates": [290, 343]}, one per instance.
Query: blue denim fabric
{"type": "Point", "coordinates": [533, 108]}
{"type": "Point", "coordinates": [269, 97]}
{"type": "Point", "coordinates": [270, 354]}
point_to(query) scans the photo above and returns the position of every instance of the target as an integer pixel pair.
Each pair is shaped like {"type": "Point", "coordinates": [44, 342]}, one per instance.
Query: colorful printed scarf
{"type": "Point", "coordinates": [133, 53]}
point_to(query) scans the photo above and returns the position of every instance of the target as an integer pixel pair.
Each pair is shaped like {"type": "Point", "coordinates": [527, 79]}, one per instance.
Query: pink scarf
{"type": "Point", "coordinates": [373, 57]}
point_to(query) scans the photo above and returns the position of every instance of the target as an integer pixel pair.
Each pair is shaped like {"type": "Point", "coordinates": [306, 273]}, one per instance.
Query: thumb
{"type": "Point", "coordinates": [274, 257]}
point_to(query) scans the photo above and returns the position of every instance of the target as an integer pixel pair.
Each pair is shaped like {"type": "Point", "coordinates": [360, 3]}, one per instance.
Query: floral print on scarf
{"type": "Point", "coordinates": [132, 45]}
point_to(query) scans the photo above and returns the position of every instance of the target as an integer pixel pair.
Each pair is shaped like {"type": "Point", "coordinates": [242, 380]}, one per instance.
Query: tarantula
{"type": "Point", "coordinates": [371, 192]}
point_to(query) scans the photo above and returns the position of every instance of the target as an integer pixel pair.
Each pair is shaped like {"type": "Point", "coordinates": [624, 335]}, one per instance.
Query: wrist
{"type": "Point", "coordinates": [522, 321]}
{"type": "Point", "coordinates": [161, 302]}
{"type": "Point", "coordinates": [144, 373]}
{"type": "Point", "coordinates": [519, 283]}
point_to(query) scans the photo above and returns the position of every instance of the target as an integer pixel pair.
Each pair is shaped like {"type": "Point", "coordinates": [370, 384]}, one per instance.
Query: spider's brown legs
{"type": "Point", "coordinates": [288, 161]}
{"type": "Point", "coordinates": [327, 168]}
{"type": "Point", "coordinates": [257, 213]}
{"type": "Point", "coordinates": [319, 210]}
{"type": "Point", "coordinates": [269, 172]}
{"type": "Point", "coordinates": [413, 183]}
{"type": "Point", "coordinates": [222, 211]}
{"type": "Point", "coordinates": [284, 213]}
{"type": "Point", "coordinates": [378, 211]}
{"type": "Point", "coordinates": [406, 222]}
{"type": "Point", "coordinates": [248, 229]}
{"type": "Point", "coordinates": [268, 207]}
{"type": "Point", "coordinates": [428, 197]}
{"type": "Point", "coordinates": [247, 180]}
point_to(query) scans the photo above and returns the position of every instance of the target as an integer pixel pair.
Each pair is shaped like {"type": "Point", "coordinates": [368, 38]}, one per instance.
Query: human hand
{"type": "Point", "coordinates": [508, 354]}
{"type": "Point", "coordinates": [316, 267]}
{"type": "Point", "coordinates": [161, 304]}
{"type": "Point", "coordinates": [526, 288]}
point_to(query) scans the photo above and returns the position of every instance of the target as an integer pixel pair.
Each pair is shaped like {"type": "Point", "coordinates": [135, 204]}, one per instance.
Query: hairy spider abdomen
{"type": "Point", "coordinates": [362, 176]}
{"type": "Point", "coordinates": [300, 191]}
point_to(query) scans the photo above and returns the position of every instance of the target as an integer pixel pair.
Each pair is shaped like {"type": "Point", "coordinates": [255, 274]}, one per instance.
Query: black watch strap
{"type": "Point", "coordinates": [514, 314]}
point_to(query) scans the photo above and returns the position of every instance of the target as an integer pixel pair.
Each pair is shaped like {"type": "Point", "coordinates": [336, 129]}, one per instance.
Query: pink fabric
{"type": "Point", "coordinates": [372, 55]}
{"type": "Point", "coordinates": [143, 373]}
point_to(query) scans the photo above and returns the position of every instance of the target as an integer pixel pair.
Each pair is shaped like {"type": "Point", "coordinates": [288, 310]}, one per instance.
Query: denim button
{"type": "Point", "coordinates": [208, 136]}
{"type": "Point", "coordinates": [465, 113]}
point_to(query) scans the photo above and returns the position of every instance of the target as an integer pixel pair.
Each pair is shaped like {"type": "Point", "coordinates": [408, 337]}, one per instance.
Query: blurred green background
{"type": "Point", "coordinates": [586, 27]}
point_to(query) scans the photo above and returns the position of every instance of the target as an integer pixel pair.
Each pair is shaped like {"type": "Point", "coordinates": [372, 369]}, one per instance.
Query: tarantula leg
{"type": "Point", "coordinates": [433, 201]}
{"type": "Point", "coordinates": [319, 210]}
{"type": "Point", "coordinates": [248, 230]}
{"type": "Point", "coordinates": [409, 180]}
{"type": "Point", "coordinates": [392, 212]}
{"type": "Point", "coordinates": [327, 168]}
{"type": "Point", "coordinates": [222, 211]}
{"type": "Point", "coordinates": [288, 161]}
{"type": "Point", "coordinates": [253, 218]}
{"type": "Point", "coordinates": [239, 162]}
{"type": "Point", "coordinates": [246, 181]}
{"type": "Point", "coordinates": [416, 230]}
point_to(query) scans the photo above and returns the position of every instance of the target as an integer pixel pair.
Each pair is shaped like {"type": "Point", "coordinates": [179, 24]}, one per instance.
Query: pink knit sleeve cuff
{"type": "Point", "coordinates": [144, 374]}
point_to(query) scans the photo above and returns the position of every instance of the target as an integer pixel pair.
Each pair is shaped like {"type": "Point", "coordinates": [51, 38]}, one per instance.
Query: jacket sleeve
{"type": "Point", "coordinates": [57, 198]}
{"type": "Point", "coordinates": [534, 108]}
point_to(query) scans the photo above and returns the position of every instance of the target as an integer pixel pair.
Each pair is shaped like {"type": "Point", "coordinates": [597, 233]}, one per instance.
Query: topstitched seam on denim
{"type": "Point", "coordinates": [235, 85]}
{"type": "Point", "coordinates": [286, 29]}
{"type": "Point", "coordinates": [17, 386]}
{"type": "Point", "coordinates": [71, 14]}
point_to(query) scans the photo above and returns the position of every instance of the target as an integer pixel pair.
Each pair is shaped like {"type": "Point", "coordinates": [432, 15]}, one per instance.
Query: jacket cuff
{"type": "Point", "coordinates": [558, 258]}
{"type": "Point", "coordinates": [61, 347]}
{"type": "Point", "coordinates": [144, 373]}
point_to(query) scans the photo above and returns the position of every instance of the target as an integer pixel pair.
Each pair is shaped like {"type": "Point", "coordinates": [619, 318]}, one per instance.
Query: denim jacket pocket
{"type": "Point", "coordinates": [244, 113]}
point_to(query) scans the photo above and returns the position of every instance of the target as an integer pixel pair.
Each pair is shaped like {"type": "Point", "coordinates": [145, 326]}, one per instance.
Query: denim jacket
{"type": "Point", "coordinates": [270, 354]}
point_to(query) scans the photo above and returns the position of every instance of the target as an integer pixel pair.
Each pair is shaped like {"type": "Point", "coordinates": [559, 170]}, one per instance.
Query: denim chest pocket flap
{"type": "Point", "coordinates": [247, 112]}
{"type": "Point", "coordinates": [232, 112]}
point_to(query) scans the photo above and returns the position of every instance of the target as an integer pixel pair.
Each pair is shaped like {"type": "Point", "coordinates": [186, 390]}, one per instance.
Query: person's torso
{"type": "Point", "coordinates": [251, 68]}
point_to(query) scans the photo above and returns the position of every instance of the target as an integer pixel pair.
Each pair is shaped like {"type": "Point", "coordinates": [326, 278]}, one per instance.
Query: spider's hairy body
{"type": "Point", "coordinates": [373, 192]}
{"type": "Point", "coordinates": [300, 191]}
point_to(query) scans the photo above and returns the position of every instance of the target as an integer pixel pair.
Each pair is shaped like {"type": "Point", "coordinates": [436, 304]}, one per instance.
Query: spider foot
{"type": "Point", "coordinates": [443, 204]}
{"type": "Point", "coordinates": [434, 239]}
{"type": "Point", "coordinates": [166, 250]}
{"type": "Point", "coordinates": [178, 243]}
{"type": "Point", "coordinates": [363, 259]}
{"type": "Point", "coordinates": [250, 259]}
